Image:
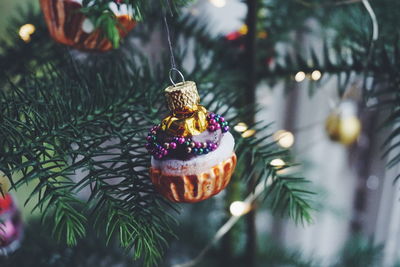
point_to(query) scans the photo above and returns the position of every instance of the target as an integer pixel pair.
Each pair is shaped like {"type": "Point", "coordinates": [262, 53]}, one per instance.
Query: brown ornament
{"type": "Point", "coordinates": [65, 24]}
{"type": "Point", "coordinates": [196, 187]}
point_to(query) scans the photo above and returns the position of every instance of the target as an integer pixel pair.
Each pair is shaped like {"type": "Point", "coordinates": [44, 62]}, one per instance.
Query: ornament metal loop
{"type": "Point", "coordinates": [180, 74]}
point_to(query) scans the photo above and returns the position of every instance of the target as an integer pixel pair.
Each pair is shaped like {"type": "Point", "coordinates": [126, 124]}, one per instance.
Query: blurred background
{"type": "Point", "coordinates": [357, 215]}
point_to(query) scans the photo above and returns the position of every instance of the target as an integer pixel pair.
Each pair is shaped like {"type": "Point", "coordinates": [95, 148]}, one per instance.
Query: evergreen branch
{"type": "Point", "coordinates": [50, 135]}
{"type": "Point", "coordinates": [68, 222]}
{"type": "Point", "coordinates": [287, 195]}
{"type": "Point", "coordinates": [79, 132]}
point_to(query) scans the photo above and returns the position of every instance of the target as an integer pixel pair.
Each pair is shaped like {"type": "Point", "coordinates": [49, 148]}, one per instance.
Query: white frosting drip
{"type": "Point", "coordinates": [122, 10]}
{"type": "Point", "coordinates": [87, 26]}
{"type": "Point", "coordinates": [197, 164]}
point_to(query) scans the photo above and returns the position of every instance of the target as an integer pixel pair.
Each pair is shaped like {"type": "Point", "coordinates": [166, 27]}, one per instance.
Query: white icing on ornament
{"type": "Point", "coordinates": [87, 26]}
{"type": "Point", "coordinates": [122, 9]}
{"type": "Point", "coordinates": [199, 163]}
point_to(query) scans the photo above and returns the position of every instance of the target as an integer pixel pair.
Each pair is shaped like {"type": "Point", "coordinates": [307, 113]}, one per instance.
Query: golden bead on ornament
{"type": "Point", "coordinates": [343, 125]}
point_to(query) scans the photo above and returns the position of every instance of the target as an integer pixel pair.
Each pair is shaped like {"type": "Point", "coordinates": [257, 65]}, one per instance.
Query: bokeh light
{"type": "Point", "coordinates": [26, 31]}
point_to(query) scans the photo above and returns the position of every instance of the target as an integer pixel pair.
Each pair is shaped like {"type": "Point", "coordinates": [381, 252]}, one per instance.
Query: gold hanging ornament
{"type": "Point", "coordinates": [343, 124]}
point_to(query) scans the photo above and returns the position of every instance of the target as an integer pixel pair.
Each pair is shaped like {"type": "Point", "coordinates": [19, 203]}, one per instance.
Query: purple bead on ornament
{"type": "Point", "coordinates": [181, 140]}
{"type": "Point", "coordinates": [172, 145]}
{"type": "Point", "coordinates": [211, 128]}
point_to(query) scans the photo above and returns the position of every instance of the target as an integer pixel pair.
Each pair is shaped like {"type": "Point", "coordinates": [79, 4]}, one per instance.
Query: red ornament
{"type": "Point", "coordinates": [11, 226]}
{"type": "Point", "coordinates": [65, 24]}
{"type": "Point", "coordinates": [5, 203]}
{"type": "Point", "coordinates": [233, 36]}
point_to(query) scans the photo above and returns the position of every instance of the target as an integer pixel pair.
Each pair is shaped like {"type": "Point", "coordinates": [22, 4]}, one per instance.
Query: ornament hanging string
{"type": "Point", "coordinates": [171, 50]}
{"type": "Point", "coordinates": [375, 35]}
{"type": "Point", "coordinates": [375, 29]}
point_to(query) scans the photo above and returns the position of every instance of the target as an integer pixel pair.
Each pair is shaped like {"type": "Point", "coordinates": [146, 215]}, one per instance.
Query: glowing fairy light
{"type": "Point", "coordinates": [26, 31]}
{"type": "Point", "coordinates": [284, 138]}
{"type": "Point", "coordinates": [316, 75]}
{"type": "Point", "coordinates": [300, 76]}
{"type": "Point", "coordinates": [240, 127]}
{"type": "Point", "coordinates": [243, 30]}
{"type": "Point", "coordinates": [278, 163]}
{"type": "Point", "coordinates": [218, 3]}
{"type": "Point", "coordinates": [248, 133]}
{"type": "Point", "coordinates": [262, 35]}
{"type": "Point", "coordinates": [239, 208]}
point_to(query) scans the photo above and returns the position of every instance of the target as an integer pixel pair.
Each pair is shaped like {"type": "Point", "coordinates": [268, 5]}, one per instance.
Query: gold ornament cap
{"type": "Point", "coordinates": [187, 117]}
{"type": "Point", "coordinates": [182, 97]}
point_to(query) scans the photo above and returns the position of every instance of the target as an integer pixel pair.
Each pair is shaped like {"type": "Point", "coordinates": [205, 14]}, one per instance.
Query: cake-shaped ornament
{"type": "Point", "coordinates": [192, 150]}
{"type": "Point", "coordinates": [11, 227]}
{"type": "Point", "coordinates": [67, 25]}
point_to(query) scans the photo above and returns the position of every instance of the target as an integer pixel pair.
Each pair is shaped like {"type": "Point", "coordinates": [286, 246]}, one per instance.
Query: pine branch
{"type": "Point", "coordinates": [286, 195]}
{"type": "Point", "coordinates": [56, 126]}
{"type": "Point", "coordinates": [79, 127]}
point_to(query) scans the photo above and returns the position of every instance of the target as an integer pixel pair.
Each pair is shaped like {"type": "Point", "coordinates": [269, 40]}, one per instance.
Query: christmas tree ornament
{"type": "Point", "coordinates": [343, 125]}
{"type": "Point", "coordinates": [192, 150]}
{"type": "Point", "coordinates": [11, 227]}
{"type": "Point", "coordinates": [67, 25]}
